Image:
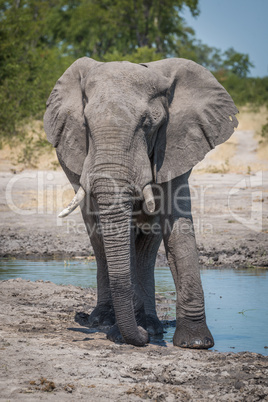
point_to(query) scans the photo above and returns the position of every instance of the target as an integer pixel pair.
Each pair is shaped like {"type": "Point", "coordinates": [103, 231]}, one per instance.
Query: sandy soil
{"type": "Point", "coordinates": [45, 355]}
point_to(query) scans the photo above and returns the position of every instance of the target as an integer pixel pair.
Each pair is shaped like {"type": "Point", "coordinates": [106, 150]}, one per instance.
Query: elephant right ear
{"type": "Point", "coordinates": [201, 115]}
{"type": "Point", "coordinates": [64, 121]}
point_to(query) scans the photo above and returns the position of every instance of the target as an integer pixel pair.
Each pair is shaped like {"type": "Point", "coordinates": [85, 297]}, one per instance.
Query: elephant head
{"type": "Point", "coordinates": [120, 126]}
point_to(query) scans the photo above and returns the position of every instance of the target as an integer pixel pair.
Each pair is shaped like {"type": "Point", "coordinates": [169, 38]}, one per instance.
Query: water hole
{"type": "Point", "coordinates": [236, 300]}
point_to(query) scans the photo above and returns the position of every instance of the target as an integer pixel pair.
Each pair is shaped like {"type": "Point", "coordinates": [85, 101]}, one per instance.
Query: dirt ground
{"type": "Point", "coordinates": [46, 355]}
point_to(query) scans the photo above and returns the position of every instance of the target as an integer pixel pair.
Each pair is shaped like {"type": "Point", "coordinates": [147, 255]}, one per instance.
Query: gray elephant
{"type": "Point", "coordinates": [127, 136]}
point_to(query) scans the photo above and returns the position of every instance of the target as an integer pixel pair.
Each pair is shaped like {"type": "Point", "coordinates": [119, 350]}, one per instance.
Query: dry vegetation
{"type": "Point", "coordinates": [251, 118]}
{"type": "Point", "coordinates": [254, 119]}
{"type": "Point", "coordinates": [228, 158]}
{"type": "Point", "coordinates": [29, 150]}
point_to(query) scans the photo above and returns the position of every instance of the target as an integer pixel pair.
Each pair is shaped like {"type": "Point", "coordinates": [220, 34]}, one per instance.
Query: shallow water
{"type": "Point", "coordinates": [236, 300]}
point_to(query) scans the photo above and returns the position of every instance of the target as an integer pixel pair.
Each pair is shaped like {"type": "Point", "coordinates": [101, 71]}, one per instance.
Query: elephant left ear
{"type": "Point", "coordinates": [201, 115]}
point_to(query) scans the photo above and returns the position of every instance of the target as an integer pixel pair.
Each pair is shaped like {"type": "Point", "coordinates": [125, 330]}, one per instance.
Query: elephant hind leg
{"type": "Point", "coordinates": [147, 245]}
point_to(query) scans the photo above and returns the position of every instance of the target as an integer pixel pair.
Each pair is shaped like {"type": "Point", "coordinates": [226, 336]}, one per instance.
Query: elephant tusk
{"type": "Point", "coordinates": [79, 196]}
{"type": "Point", "coordinates": [149, 198]}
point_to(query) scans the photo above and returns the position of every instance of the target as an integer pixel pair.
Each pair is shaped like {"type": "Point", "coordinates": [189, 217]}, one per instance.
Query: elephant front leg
{"type": "Point", "coordinates": [191, 328]}
{"type": "Point", "coordinates": [103, 314]}
{"type": "Point", "coordinates": [179, 239]}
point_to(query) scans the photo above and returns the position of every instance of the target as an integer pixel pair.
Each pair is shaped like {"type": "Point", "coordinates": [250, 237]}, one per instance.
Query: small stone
{"type": "Point", "coordinates": [239, 384]}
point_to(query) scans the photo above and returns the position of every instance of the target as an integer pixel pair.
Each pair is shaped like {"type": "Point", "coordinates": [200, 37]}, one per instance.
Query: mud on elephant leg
{"type": "Point", "coordinates": [191, 328]}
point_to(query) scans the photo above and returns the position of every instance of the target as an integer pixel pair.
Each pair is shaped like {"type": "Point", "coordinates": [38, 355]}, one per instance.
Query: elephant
{"type": "Point", "coordinates": [127, 136]}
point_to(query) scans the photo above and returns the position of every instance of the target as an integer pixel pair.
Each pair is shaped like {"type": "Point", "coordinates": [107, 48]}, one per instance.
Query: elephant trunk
{"type": "Point", "coordinates": [115, 217]}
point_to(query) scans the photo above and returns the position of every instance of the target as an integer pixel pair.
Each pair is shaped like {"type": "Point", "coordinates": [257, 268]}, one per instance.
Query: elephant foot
{"type": "Point", "coordinates": [154, 325]}
{"type": "Point", "coordinates": [102, 316]}
{"type": "Point", "coordinates": [192, 334]}
{"type": "Point", "coordinates": [114, 335]}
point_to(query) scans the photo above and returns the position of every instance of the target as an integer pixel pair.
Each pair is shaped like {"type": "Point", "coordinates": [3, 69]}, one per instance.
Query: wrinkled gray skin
{"type": "Point", "coordinates": [117, 127]}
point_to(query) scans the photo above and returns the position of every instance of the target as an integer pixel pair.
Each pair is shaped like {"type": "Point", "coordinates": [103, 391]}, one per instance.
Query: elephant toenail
{"type": "Point", "coordinates": [208, 342]}
{"type": "Point", "coordinates": [183, 344]}
{"type": "Point", "coordinates": [196, 343]}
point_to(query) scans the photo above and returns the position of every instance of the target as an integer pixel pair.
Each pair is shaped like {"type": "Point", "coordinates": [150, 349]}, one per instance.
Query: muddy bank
{"type": "Point", "coordinates": [46, 355]}
{"type": "Point", "coordinates": [251, 251]}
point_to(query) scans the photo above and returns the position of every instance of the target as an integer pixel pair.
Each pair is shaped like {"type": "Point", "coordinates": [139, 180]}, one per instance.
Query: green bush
{"type": "Point", "coordinates": [247, 90]}
{"type": "Point", "coordinates": [40, 39]}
